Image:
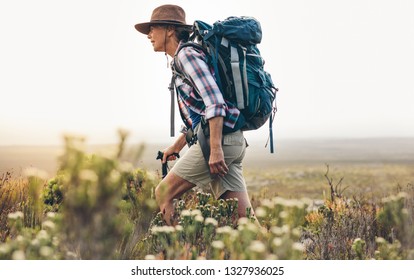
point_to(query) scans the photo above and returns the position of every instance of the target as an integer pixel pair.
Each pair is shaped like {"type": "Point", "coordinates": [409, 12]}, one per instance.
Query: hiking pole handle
{"type": "Point", "coordinates": [164, 166]}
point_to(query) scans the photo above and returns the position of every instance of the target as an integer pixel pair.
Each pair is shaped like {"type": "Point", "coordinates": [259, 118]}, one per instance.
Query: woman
{"type": "Point", "coordinates": [166, 30]}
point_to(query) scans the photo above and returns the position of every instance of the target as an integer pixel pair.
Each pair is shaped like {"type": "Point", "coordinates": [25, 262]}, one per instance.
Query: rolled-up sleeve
{"type": "Point", "coordinates": [194, 65]}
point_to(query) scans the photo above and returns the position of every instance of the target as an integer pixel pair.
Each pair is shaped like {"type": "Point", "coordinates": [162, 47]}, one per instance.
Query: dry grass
{"type": "Point", "coordinates": [13, 194]}
{"type": "Point", "coordinates": [105, 208]}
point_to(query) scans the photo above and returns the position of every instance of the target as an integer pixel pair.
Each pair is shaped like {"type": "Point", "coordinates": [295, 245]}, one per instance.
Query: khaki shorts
{"type": "Point", "coordinates": [194, 168]}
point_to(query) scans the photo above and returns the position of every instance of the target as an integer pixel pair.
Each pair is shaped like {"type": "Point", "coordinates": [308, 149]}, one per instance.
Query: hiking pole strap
{"type": "Point", "coordinates": [172, 112]}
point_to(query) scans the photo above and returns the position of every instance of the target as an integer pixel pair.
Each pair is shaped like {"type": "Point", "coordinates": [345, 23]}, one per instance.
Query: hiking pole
{"type": "Point", "coordinates": [164, 166]}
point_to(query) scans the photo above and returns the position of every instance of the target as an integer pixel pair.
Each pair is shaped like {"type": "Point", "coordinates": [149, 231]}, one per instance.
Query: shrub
{"type": "Point", "coordinates": [100, 207]}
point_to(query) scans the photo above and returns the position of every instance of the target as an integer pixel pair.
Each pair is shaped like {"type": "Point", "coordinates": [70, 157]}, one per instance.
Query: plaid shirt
{"type": "Point", "coordinates": [204, 97]}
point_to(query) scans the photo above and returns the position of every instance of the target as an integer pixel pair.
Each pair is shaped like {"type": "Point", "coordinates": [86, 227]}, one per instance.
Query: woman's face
{"type": "Point", "coordinates": [157, 36]}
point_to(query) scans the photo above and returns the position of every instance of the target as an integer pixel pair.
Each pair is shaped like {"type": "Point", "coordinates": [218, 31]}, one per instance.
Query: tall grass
{"type": "Point", "coordinates": [100, 207]}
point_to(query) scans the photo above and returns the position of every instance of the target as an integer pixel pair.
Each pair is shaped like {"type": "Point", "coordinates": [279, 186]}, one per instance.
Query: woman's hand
{"type": "Point", "coordinates": [171, 152]}
{"type": "Point", "coordinates": [216, 162]}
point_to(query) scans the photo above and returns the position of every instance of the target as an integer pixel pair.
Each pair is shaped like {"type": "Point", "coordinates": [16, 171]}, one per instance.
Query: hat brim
{"type": "Point", "coordinates": [144, 27]}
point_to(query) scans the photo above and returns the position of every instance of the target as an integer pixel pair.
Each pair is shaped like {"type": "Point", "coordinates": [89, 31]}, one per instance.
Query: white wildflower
{"type": "Point", "coordinates": [271, 257]}
{"type": "Point", "coordinates": [261, 212]}
{"type": "Point", "coordinates": [46, 251]}
{"type": "Point", "coordinates": [4, 249]}
{"type": "Point", "coordinates": [267, 203]}
{"type": "Point", "coordinates": [296, 232]}
{"type": "Point", "coordinates": [276, 230]}
{"type": "Point", "coordinates": [169, 229]}
{"type": "Point", "coordinates": [162, 229]}
{"type": "Point", "coordinates": [20, 239]}
{"type": "Point", "coordinates": [16, 215]}
{"type": "Point", "coordinates": [257, 246]}
{"type": "Point", "coordinates": [380, 240]}
{"type": "Point", "coordinates": [252, 227]}
{"type": "Point", "coordinates": [283, 214]}
{"type": "Point", "coordinates": [280, 201]}
{"type": "Point", "coordinates": [196, 212]}
{"type": "Point", "coordinates": [55, 241]}
{"type": "Point", "coordinates": [285, 229]}
{"type": "Point", "coordinates": [243, 221]}
{"type": "Point", "coordinates": [150, 257]}
{"type": "Point", "coordinates": [277, 241]}
{"type": "Point", "coordinates": [199, 218]}
{"type": "Point", "coordinates": [225, 230]}
{"type": "Point", "coordinates": [48, 225]}
{"type": "Point", "coordinates": [71, 255]}
{"type": "Point", "coordinates": [298, 246]}
{"type": "Point", "coordinates": [51, 215]}
{"type": "Point", "coordinates": [185, 213]}
{"type": "Point", "coordinates": [155, 230]}
{"type": "Point", "coordinates": [42, 235]}
{"type": "Point", "coordinates": [35, 242]}
{"type": "Point", "coordinates": [18, 255]}
{"type": "Point", "coordinates": [217, 244]}
{"type": "Point", "coordinates": [211, 221]}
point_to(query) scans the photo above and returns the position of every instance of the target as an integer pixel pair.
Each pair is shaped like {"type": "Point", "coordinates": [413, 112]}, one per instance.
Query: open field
{"type": "Point", "coordinates": [369, 167]}
{"type": "Point", "coordinates": [99, 208]}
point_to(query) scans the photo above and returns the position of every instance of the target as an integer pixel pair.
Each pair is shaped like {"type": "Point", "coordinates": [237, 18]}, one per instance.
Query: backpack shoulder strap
{"type": "Point", "coordinates": [184, 45]}
{"type": "Point", "coordinates": [178, 72]}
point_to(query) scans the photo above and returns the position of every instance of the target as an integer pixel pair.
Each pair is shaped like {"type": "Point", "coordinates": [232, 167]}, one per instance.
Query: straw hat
{"type": "Point", "coordinates": [165, 14]}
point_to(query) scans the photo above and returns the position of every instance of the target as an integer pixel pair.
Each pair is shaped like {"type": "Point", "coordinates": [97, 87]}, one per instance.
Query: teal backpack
{"type": "Point", "coordinates": [230, 46]}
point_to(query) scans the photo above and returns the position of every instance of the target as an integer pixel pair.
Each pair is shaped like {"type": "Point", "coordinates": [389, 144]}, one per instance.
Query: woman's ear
{"type": "Point", "coordinates": [170, 31]}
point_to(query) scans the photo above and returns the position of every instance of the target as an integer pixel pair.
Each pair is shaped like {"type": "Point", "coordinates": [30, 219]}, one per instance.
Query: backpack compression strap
{"type": "Point", "coordinates": [239, 77]}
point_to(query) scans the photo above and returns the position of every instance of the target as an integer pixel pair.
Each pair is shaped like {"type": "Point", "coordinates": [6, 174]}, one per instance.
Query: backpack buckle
{"type": "Point", "coordinates": [190, 137]}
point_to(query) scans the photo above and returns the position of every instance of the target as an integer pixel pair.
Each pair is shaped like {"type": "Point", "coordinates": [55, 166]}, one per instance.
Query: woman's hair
{"type": "Point", "coordinates": [182, 33]}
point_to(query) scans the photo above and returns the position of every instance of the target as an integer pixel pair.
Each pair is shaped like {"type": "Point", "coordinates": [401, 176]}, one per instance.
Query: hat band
{"type": "Point", "coordinates": [166, 22]}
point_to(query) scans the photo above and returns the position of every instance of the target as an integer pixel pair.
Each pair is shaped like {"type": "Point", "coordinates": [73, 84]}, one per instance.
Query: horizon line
{"type": "Point", "coordinates": [330, 138]}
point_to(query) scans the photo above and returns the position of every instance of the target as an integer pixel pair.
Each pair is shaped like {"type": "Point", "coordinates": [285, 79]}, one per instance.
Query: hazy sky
{"type": "Point", "coordinates": [344, 68]}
